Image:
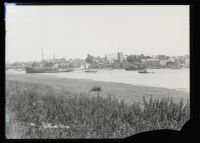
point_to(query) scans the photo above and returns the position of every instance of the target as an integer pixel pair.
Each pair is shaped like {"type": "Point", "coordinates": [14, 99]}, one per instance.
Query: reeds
{"type": "Point", "coordinates": [42, 112]}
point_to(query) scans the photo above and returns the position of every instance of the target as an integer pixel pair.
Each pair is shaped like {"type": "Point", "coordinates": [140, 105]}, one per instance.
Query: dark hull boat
{"type": "Point", "coordinates": [40, 70]}
{"type": "Point", "coordinates": [66, 70]}
{"type": "Point", "coordinates": [90, 71]}
{"type": "Point", "coordinates": [143, 71]}
{"type": "Point", "coordinates": [34, 70]}
{"type": "Point", "coordinates": [46, 70]}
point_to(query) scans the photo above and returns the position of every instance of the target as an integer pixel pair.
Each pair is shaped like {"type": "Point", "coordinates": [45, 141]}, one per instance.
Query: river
{"type": "Point", "coordinates": [167, 78]}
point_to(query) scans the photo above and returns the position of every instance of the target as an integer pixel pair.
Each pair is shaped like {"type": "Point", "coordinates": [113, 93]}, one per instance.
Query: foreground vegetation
{"type": "Point", "coordinates": [40, 111]}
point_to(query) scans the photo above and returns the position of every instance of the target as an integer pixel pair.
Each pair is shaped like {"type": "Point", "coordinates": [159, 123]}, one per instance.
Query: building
{"type": "Point", "coordinates": [187, 62]}
{"type": "Point", "coordinates": [151, 63]}
{"type": "Point", "coordinates": [163, 62]}
{"type": "Point", "coordinates": [120, 57]}
{"type": "Point", "coordinates": [86, 66]}
{"type": "Point", "coordinates": [115, 57]}
{"type": "Point", "coordinates": [111, 57]}
{"type": "Point", "coordinates": [124, 58]}
{"type": "Point", "coordinates": [172, 59]}
{"type": "Point", "coordinates": [143, 61]}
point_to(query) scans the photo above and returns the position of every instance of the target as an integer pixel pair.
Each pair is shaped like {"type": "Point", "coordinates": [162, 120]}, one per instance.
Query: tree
{"type": "Point", "coordinates": [71, 65]}
{"type": "Point", "coordinates": [48, 64]}
{"type": "Point", "coordinates": [140, 57]}
{"type": "Point", "coordinates": [35, 64]}
{"type": "Point", "coordinates": [131, 58]}
{"type": "Point", "coordinates": [89, 59]}
{"type": "Point", "coordinates": [16, 64]}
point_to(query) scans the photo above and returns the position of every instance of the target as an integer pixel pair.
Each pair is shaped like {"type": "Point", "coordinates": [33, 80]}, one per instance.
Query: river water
{"type": "Point", "coordinates": [167, 78]}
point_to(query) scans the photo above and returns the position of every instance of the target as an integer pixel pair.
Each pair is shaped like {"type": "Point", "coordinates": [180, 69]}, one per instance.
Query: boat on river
{"type": "Point", "coordinates": [66, 70]}
{"type": "Point", "coordinates": [143, 71]}
{"type": "Point", "coordinates": [90, 71]}
{"type": "Point", "coordinates": [46, 70]}
{"type": "Point", "coordinates": [35, 70]}
{"type": "Point", "coordinates": [41, 70]}
{"type": "Point", "coordinates": [135, 67]}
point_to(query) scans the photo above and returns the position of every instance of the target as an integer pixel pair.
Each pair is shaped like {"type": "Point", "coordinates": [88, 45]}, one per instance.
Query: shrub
{"type": "Point", "coordinates": [97, 89]}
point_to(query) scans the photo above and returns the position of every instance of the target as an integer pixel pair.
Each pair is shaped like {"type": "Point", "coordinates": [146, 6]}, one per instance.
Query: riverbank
{"type": "Point", "coordinates": [127, 92]}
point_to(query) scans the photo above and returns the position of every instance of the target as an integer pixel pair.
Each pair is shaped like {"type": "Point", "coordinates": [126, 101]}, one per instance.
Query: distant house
{"type": "Point", "coordinates": [163, 62]}
{"type": "Point", "coordinates": [143, 61]}
{"type": "Point", "coordinates": [55, 65]}
{"type": "Point", "coordinates": [187, 62]}
{"type": "Point", "coordinates": [115, 57]}
{"type": "Point", "coordinates": [120, 57]}
{"type": "Point", "coordinates": [172, 59]}
{"type": "Point", "coordinates": [152, 63]}
{"type": "Point", "coordinates": [124, 58]}
{"type": "Point", "coordinates": [86, 66]}
{"type": "Point", "coordinates": [111, 57]}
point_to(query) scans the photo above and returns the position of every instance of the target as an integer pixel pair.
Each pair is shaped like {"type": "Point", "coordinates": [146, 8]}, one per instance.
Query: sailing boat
{"type": "Point", "coordinates": [43, 69]}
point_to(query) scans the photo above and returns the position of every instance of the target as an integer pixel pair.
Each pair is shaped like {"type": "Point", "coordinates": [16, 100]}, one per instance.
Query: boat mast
{"type": "Point", "coordinates": [42, 55]}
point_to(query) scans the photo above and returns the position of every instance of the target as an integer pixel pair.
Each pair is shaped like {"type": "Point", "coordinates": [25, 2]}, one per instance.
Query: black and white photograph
{"type": "Point", "coordinates": [95, 71]}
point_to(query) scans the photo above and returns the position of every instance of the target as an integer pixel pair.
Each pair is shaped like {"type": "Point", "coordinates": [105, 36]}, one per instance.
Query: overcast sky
{"type": "Point", "coordinates": [75, 31]}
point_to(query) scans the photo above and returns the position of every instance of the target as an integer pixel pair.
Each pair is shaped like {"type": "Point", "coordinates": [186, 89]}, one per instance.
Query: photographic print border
{"type": "Point", "coordinates": [188, 130]}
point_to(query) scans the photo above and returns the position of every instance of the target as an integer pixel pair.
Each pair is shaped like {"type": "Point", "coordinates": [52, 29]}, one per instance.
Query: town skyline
{"type": "Point", "coordinates": [74, 31]}
{"type": "Point", "coordinates": [105, 55]}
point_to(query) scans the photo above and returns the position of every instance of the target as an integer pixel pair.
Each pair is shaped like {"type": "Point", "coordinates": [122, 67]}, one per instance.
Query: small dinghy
{"type": "Point", "coordinates": [90, 71]}
{"type": "Point", "coordinates": [143, 71]}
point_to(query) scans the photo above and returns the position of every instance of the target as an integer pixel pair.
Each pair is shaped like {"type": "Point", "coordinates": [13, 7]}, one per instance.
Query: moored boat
{"type": "Point", "coordinates": [34, 70]}
{"type": "Point", "coordinates": [66, 70]}
{"type": "Point", "coordinates": [90, 71]}
{"type": "Point", "coordinates": [41, 70]}
{"type": "Point", "coordinates": [143, 71]}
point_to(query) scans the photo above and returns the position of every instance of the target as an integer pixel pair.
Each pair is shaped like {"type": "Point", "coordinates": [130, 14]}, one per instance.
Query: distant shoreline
{"type": "Point", "coordinates": [127, 92]}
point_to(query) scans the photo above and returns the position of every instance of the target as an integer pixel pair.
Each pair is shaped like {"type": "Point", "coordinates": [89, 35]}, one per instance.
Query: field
{"type": "Point", "coordinates": [39, 108]}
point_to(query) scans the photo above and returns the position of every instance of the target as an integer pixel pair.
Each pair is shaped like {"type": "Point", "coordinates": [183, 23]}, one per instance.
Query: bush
{"type": "Point", "coordinates": [96, 88]}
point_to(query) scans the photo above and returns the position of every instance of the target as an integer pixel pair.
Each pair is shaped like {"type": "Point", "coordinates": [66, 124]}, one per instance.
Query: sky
{"type": "Point", "coordinates": [75, 31]}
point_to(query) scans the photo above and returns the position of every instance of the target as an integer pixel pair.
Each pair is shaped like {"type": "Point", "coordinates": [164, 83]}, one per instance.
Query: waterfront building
{"type": "Point", "coordinates": [124, 58]}
{"type": "Point", "coordinates": [111, 57]}
{"type": "Point", "coordinates": [152, 63]}
{"type": "Point", "coordinates": [115, 57]}
{"type": "Point", "coordinates": [86, 66]}
{"type": "Point", "coordinates": [187, 62]}
{"type": "Point", "coordinates": [172, 59]}
{"type": "Point", "coordinates": [163, 62]}
{"type": "Point", "coordinates": [143, 61]}
{"type": "Point", "coordinates": [120, 57]}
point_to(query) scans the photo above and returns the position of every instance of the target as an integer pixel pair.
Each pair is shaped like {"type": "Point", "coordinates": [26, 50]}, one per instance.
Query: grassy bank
{"type": "Point", "coordinates": [127, 92]}
{"type": "Point", "coordinates": [42, 111]}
